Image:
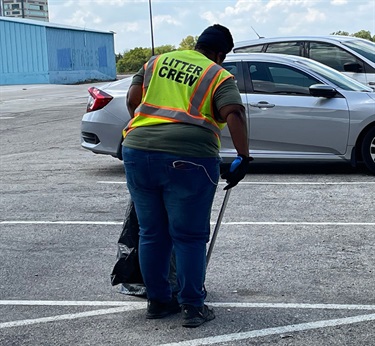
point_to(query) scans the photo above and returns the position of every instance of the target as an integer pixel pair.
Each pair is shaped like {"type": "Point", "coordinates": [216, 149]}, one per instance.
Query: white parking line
{"type": "Point", "coordinates": [68, 316]}
{"type": "Point", "coordinates": [295, 306]}
{"type": "Point", "coordinates": [132, 306]}
{"type": "Point", "coordinates": [135, 305]}
{"type": "Point", "coordinates": [272, 331]}
{"type": "Point", "coordinates": [286, 223]}
{"type": "Point", "coordinates": [276, 182]}
{"type": "Point", "coordinates": [139, 305]}
{"type": "Point", "coordinates": [31, 222]}
{"type": "Point", "coordinates": [267, 223]}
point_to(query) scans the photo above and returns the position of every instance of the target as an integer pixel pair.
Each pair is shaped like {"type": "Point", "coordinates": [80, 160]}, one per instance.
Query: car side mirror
{"type": "Point", "coordinates": [352, 67]}
{"type": "Point", "coordinates": [322, 90]}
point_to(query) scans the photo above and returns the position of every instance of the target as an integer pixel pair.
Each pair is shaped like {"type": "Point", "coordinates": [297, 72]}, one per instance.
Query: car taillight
{"type": "Point", "coordinates": [98, 99]}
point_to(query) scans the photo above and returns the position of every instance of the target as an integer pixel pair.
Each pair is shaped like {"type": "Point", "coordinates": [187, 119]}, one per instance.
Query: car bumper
{"type": "Point", "coordinates": [101, 133]}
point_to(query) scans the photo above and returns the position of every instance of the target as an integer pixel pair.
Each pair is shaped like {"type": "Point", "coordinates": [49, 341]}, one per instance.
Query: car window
{"type": "Point", "coordinates": [236, 70]}
{"type": "Point", "coordinates": [331, 55]}
{"type": "Point", "coordinates": [272, 78]}
{"type": "Point", "coordinates": [364, 47]}
{"type": "Point", "coordinates": [253, 49]}
{"type": "Point", "coordinates": [332, 75]}
{"type": "Point", "coordinates": [232, 68]}
{"type": "Point", "coordinates": [290, 48]}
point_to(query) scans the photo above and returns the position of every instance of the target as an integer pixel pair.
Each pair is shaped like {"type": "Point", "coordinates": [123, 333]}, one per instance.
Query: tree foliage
{"type": "Point", "coordinates": [134, 59]}
{"type": "Point", "coordinates": [365, 34]}
{"type": "Point", "coordinates": [118, 57]}
{"type": "Point", "coordinates": [164, 49]}
{"type": "Point", "coordinates": [342, 33]}
{"type": "Point", "coordinates": [188, 42]}
{"type": "Point", "coordinates": [361, 34]}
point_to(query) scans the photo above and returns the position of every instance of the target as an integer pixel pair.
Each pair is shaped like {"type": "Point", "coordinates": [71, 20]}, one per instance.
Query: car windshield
{"type": "Point", "coordinates": [334, 76]}
{"type": "Point", "coordinates": [365, 48]}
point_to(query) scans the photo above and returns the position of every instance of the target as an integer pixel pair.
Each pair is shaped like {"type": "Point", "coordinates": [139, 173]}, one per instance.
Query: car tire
{"type": "Point", "coordinates": [368, 150]}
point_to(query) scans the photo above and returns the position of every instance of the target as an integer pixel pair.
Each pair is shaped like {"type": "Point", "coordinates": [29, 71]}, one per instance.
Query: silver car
{"type": "Point", "coordinates": [350, 55]}
{"type": "Point", "coordinates": [297, 109]}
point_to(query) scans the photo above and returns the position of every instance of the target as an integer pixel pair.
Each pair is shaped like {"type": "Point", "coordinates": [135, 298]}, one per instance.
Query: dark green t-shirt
{"type": "Point", "coordinates": [179, 138]}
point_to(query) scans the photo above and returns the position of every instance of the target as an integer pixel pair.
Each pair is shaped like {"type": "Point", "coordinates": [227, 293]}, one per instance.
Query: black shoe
{"type": "Point", "coordinates": [195, 316]}
{"type": "Point", "coordinates": [156, 309]}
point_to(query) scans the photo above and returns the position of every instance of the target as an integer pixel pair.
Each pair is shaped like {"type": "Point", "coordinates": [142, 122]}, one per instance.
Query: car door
{"type": "Point", "coordinates": [285, 120]}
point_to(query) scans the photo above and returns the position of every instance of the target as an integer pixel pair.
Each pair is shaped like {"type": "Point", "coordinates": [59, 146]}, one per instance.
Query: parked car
{"type": "Point", "coordinates": [350, 55]}
{"type": "Point", "coordinates": [297, 109]}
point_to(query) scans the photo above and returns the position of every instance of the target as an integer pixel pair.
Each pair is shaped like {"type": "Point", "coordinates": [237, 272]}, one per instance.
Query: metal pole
{"type": "Point", "coordinates": [23, 8]}
{"type": "Point", "coordinates": [152, 31]}
{"type": "Point", "coordinates": [217, 226]}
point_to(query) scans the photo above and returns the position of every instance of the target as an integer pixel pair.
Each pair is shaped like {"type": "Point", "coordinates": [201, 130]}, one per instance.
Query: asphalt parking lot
{"type": "Point", "coordinates": [293, 264]}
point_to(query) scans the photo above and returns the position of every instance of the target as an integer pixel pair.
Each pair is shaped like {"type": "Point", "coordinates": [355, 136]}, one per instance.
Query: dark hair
{"type": "Point", "coordinates": [215, 38]}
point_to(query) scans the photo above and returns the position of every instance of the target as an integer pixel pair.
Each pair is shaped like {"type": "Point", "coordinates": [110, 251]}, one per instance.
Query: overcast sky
{"type": "Point", "coordinates": [173, 20]}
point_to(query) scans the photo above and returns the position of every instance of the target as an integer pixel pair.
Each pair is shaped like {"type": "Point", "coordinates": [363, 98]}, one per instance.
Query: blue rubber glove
{"type": "Point", "coordinates": [237, 171]}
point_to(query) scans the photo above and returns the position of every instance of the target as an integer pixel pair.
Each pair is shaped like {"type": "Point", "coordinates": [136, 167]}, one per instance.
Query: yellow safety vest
{"type": "Point", "coordinates": [188, 81]}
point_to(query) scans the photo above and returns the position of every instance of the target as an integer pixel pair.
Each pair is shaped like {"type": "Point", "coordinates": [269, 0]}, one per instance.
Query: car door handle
{"type": "Point", "coordinates": [262, 104]}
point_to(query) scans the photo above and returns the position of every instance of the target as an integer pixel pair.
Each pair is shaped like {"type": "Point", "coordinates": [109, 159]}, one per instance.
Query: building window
{"type": "Point", "coordinates": [102, 53]}
{"type": "Point", "coordinates": [64, 60]}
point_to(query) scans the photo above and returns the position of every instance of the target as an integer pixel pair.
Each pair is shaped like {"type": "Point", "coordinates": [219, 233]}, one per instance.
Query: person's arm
{"type": "Point", "coordinates": [133, 98]}
{"type": "Point", "coordinates": [231, 110]}
{"type": "Point", "coordinates": [134, 95]}
{"type": "Point", "coordinates": [235, 117]}
{"type": "Point", "coordinates": [227, 100]}
{"type": "Point", "coordinates": [236, 120]}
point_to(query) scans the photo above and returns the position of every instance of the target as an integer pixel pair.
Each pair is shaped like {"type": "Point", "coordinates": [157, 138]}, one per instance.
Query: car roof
{"type": "Point", "coordinates": [327, 38]}
{"type": "Point", "coordinates": [273, 57]}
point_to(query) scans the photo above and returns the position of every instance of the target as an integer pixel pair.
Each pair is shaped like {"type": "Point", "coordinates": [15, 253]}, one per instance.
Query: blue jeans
{"type": "Point", "coordinates": [173, 197]}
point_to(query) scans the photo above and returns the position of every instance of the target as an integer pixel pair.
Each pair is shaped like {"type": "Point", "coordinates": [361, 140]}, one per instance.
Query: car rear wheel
{"type": "Point", "coordinates": [368, 149]}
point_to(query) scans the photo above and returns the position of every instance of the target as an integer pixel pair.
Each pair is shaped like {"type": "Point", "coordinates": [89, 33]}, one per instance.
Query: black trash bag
{"type": "Point", "coordinates": [126, 271]}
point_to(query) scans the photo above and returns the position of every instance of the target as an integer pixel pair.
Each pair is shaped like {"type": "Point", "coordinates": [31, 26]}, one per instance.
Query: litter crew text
{"type": "Point", "coordinates": [187, 73]}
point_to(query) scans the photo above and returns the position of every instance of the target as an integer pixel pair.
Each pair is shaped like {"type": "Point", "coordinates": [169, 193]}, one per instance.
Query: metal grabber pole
{"type": "Point", "coordinates": [217, 226]}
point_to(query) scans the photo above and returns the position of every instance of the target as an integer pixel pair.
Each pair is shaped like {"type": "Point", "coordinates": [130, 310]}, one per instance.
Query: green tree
{"type": "Point", "coordinates": [164, 49]}
{"type": "Point", "coordinates": [118, 57]}
{"type": "Point", "coordinates": [363, 34]}
{"type": "Point", "coordinates": [133, 60]}
{"type": "Point", "coordinates": [343, 33]}
{"type": "Point", "coordinates": [188, 42]}
{"type": "Point", "coordinates": [121, 66]}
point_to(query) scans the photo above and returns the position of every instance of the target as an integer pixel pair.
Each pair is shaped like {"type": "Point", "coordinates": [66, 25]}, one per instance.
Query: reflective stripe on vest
{"type": "Point", "coordinates": [149, 68]}
{"type": "Point", "coordinates": [198, 97]}
{"type": "Point", "coordinates": [179, 116]}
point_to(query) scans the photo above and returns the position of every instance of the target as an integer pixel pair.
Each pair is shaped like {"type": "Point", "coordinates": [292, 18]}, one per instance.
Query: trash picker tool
{"type": "Point", "coordinates": [217, 226]}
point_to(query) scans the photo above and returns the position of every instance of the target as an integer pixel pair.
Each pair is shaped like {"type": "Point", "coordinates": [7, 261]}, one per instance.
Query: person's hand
{"type": "Point", "coordinates": [237, 171]}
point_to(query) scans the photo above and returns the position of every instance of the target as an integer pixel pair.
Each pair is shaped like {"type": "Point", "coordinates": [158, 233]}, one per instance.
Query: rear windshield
{"type": "Point", "coordinates": [365, 48]}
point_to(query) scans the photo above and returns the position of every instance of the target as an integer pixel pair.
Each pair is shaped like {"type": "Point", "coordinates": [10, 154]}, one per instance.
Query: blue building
{"type": "Point", "coordinates": [36, 52]}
